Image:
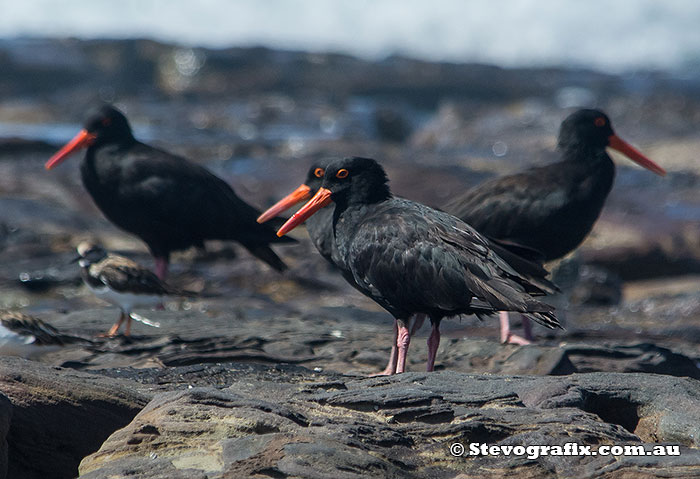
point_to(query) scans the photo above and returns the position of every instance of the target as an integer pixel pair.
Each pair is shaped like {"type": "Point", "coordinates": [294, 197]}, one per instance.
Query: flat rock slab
{"type": "Point", "coordinates": [285, 422]}
{"type": "Point", "coordinates": [57, 416]}
{"type": "Point", "coordinates": [345, 339]}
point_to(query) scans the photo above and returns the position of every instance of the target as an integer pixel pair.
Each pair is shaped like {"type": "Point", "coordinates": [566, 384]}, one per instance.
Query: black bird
{"type": "Point", "coordinates": [411, 259]}
{"type": "Point", "coordinates": [320, 229]}
{"type": "Point", "coordinates": [167, 201]}
{"type": "Point", "coordinates": [551, 209]}
{"type": "Point", "coordinates": [123, 283]}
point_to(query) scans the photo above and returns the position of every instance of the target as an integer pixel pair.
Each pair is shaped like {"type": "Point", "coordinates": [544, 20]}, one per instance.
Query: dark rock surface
{"type": "Point", "coordinates": [5, 421]}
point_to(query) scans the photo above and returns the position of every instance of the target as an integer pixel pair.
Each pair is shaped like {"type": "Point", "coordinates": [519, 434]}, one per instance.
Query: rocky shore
{"type": "Point", "coordinates": [264, 375]}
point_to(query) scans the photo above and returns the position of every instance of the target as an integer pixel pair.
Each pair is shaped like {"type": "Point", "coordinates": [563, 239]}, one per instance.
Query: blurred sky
{"type": "Point", "coordinates": [608, 35]}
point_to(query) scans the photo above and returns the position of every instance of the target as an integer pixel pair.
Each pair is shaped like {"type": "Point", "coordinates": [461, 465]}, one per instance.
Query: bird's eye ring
{"type": "Point", "coordinates": [319, 172]}
{"type": "Point", "coordinates": [600, 121]}
{"type": "Point", "coordinates": [342, 173]}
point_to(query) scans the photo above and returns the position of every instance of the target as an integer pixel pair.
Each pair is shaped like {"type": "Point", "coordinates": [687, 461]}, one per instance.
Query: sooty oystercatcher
{"type": "Point", "coordinates": [320, 229]}
{"type": "Point", "coordinates": [26, 336]}
{"type": "Point", "coordinates": [550, 209]}
{"type": "Point", "coordinates": [122, 282]}
{"type": "Point", "coordinates": [412, 259]}
{"type": "Point", "coordinates": [167, 201]}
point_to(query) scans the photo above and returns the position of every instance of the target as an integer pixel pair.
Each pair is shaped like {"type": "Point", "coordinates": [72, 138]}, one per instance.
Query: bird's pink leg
{"type": "Point", "coordinates": [507, 337]}
{"type": "Point", "coordinates": [402, 342]}
{"type": "Point", "coordinates": [391, 366]}
{"type": "Point", "coordinates": [161, 267]}
{"type": "Point", "coordinates": [433, 343]}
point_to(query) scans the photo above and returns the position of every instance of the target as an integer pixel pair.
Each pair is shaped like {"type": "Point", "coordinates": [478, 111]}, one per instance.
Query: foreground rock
{"type": "Point", "coordinates": [57, 416]}
{"type": "Point", "coordinates": [290, 422]}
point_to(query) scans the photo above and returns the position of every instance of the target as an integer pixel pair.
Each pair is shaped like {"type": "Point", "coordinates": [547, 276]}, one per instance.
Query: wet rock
{"type": "Point", "coordinates": [59, 416]}
{"type": "Point", "coordinates": [668, 254]}
{"type": "Point", "coordinates": [322, 426]}
{"type": "Point", "coordinates": [22, 146]}
{"type": "Point", "coordinates": [351, 340]}
{"type": "Point", "coordinates": [644, 357]}
{"type": "Point", "coordinates": [596, 286]}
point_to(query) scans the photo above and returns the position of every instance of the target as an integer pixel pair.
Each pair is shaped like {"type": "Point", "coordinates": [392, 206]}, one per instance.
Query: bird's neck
{"type": "Point", "coordinates": [586, 159]}
{"type": "Point", "coordinates": [363, 194]}
{"type": "Point", "coordinates": [101, 159]}
{"type": "Point", "coordinates": [589, 175]}
{"type": "Point", "coordinates": [351, 211]}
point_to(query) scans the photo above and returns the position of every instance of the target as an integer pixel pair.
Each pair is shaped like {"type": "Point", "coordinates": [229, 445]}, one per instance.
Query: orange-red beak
{"type": "Point", "coordinates": [302, 193]}
{"type": "Point", "coordinates": [321, 199]}
{"type": "Point", "coordinates": [616, 143]}
{"type": "Point", "coordinates": [81, 140]}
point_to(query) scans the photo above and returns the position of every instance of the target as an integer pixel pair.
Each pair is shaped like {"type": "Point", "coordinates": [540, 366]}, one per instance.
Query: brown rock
{"type": "Point", "coordinates": [278, 422]}
{"type": "Point", "coordinates": [59, 416]}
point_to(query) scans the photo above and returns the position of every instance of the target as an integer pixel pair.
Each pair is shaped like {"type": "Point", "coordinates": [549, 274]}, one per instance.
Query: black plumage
{"type": "Point", "coordinates": [320, 229]}
{"type": "Point", "coordinates": [550, 210]}
{"type": "Point", "coordinates": [167, 201]}
{"type": "Point", "coordinates": [410, 258]}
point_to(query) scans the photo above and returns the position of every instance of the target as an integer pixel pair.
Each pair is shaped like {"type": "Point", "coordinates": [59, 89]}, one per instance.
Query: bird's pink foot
{"type": "Point", "coordinates": [507, 337]}
{"type": "Point", "coordinates": [388, 371]}
{"type": "Point", "coordinates": [515, 339]}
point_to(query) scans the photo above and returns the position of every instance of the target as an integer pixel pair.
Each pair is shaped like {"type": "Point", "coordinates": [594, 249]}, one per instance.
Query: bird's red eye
{"type": "Point", "coordinates": [343, 173]}
{"type": "Point", "coordinates": [600, 121]}
{"type": "Point", "coordinates": [106, 121]}
{"type": "Point", "coordinates": [319, 172]}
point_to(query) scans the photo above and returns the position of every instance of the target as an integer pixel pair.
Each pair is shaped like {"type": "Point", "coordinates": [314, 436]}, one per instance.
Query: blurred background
{"type": "Point", "coordinates": [444, 93]}
{"type": "Point", "coordinates": [638, 35]}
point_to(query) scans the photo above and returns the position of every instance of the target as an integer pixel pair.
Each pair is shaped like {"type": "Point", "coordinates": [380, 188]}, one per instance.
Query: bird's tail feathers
{"type": "Point", "coordinates": [266, 254]}
{"type": "Point", "coordinates": [547, 319]}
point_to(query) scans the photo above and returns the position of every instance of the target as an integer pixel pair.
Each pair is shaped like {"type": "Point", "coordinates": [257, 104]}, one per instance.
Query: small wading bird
{"type": "Point", "coordinates": [320, 229]}
{"type": "Point", "coordinates": [412, 259]}
{"type": "Point", "coordinates": [167, 201]}
{"type": "Point", "coordinates": [550, 209]}
{"type": "Point", "coordinates": [123, 283]}
{"type": "Point", "coordinates": [25, 336]}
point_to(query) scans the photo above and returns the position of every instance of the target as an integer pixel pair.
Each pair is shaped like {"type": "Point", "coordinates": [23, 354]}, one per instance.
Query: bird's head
{"type": "Point", "coordinates": [89, 253]}
{"type": "Point", "coordinates": [353, 180]}
{"type": "Point", "coordinates": [314, 180]}
{"type": "Point", "coordinates": [588, 129]}
{"type": "Point", "coordinates": [107, 126]}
